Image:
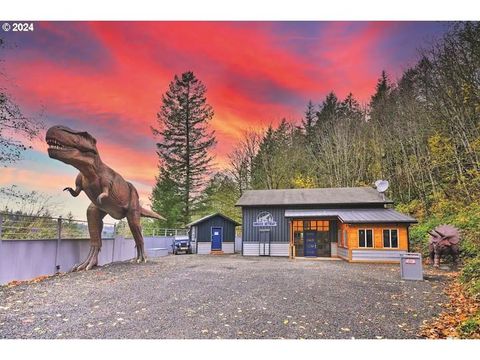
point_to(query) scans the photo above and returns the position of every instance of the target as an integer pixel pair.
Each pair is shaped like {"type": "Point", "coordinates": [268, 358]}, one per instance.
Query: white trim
{"type": "Point", "coordinates": [358, 238]}
{"type": "Point", "coordinates": [390, 238]}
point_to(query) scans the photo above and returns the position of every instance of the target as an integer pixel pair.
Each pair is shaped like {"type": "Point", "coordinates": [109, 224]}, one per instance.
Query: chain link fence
{"type": "Point", "coordinates": [25, 227]}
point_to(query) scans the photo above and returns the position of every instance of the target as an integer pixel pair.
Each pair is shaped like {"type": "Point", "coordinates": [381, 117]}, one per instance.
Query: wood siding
{"type": "Point", "coordinates": [352, 235]}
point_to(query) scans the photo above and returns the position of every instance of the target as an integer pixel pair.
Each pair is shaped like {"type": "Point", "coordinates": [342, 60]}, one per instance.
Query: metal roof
{"type": "Point", "coordinates": [210, 216]}
{"type": "Point", "coordinates": [354, 215]}
{"type": "Point", "coordinates": [319, 196]}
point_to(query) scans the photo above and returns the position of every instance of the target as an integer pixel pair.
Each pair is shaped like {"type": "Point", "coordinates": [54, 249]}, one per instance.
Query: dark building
{"type": "Point", "coordinates": [355, 224]}
{"type": "Point", "coordinates": [213, 233]}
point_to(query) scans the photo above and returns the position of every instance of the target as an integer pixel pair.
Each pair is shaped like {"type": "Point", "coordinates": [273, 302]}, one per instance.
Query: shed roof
{"type": "Point", "coordinates": [205, 218]}
{"type": "Point", "coordinates": [319, 196]}
{"type": "Point", "coordinates": [354, 215]}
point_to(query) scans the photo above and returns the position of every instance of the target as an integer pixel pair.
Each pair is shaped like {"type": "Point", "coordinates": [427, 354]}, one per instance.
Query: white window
{"type": "Point", "coordinates": [390, 238]}
{"type": "Point", "coordinates": [365, 238]}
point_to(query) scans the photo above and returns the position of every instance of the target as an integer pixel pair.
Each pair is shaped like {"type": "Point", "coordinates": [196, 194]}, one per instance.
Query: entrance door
{"type": "Point", "coordinates": [323, 244]}
{"type": "Point", "coordinates": [264, 242]}
{"type": "Point", "coordinates": [216, 238]}
{"type": "Point", "coordinates": [310, 243]}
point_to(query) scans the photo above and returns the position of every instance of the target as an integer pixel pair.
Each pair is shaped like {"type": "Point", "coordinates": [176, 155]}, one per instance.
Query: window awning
{"type": "Point", "coordinates": [354, 215]}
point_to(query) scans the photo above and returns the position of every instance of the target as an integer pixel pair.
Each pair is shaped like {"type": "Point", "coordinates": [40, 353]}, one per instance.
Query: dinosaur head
{"type": "Point", "coordinates": [77, 148]}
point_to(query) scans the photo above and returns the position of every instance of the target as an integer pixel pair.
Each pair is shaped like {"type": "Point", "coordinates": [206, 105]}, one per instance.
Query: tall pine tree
{"type": "Point", "coordinates": [308, 121]}
{"type": "Point", "coordinates": [185, 141]}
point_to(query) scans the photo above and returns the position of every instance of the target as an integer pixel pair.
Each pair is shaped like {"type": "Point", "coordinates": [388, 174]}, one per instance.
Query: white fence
{"type": "Point", "coordinates": [28, 259]}
{"type": "Point", "coordinates": [36, 246]}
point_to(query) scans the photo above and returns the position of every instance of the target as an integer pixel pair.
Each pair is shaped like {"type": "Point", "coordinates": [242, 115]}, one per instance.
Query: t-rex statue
{"type": "Point", "coordinates": [109, 192]}
{"type": "Point", "coordinates": [444, 240]}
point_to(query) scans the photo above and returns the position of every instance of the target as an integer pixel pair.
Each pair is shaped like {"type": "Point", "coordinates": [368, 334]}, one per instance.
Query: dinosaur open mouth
{"type": "Point", "coordinates": [56, 145]}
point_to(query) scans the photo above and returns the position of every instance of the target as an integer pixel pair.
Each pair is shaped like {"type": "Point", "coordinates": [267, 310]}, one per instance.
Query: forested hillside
{"type": "Point", "coordinates": [421, 132]}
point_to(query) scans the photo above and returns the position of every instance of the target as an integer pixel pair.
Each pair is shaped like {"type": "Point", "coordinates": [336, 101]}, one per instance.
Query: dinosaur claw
{"type": "Point", "coordinates": [90, 261]}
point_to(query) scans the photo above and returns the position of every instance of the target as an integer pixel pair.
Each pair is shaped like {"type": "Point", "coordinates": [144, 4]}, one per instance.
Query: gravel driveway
{"type": "Point", "coordinates": [229, 296]}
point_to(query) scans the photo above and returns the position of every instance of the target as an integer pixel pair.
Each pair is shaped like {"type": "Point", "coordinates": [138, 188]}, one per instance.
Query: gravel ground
{"type": "Point", "coordinates": [194, 296]}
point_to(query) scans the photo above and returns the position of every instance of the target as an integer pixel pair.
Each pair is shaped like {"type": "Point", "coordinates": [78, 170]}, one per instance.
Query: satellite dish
{"type": "Point", "coordinates": [381, 185]}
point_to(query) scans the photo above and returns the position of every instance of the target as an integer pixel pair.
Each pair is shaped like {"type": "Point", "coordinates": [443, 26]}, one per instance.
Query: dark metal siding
{"type": "Point", "coordinates": [279, 233]}
{"type": "Point", "coordinates": [204, 229]}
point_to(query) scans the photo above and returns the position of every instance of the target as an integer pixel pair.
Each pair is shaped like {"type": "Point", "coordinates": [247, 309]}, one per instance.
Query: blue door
{"type": "Point", "coordinates": [310, 243]}
{"type": "Point", "coordinates": [217, 238]}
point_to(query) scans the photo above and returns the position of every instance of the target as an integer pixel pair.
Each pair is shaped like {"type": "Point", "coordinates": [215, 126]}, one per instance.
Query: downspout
{"type": "Point", "coordinates": [408, 237]}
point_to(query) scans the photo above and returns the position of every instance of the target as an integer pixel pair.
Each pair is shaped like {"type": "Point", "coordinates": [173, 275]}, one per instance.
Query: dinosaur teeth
{"type": "Point", "coordinates": [54, 144]}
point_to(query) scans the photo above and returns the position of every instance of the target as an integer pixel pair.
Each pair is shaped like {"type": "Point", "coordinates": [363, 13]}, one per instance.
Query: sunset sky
{"type": "Point", "coordinates": [108, 78]}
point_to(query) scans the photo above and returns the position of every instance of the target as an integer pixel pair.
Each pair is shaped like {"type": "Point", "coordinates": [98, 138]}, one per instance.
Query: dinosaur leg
{"type": "Point", "coordinates": [454, 251]}
{"type": "Point", "coordinates": [432, 254]}
{"type": "Point", "coordinates": [95, 225]}
{"type": "Point", "coordinates": [133, 218]}
{"type": "Point", "coordinates": [437, 256]}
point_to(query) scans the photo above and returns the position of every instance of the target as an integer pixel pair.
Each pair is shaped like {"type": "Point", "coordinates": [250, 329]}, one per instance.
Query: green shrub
{"type": "Point", "coordinates": [470, 276]}
{"type": "Point", "coordinates": [469, 248]}
{"type": "Point", "coordinates": [465, 217]}
{"type": "Point", "coordinates": [471, 271]}
{"type": "Point", "coordinates": [469, 327]}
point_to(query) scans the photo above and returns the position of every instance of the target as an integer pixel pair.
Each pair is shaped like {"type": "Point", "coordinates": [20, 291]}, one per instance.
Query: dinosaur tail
{"type": "Point", "coordinates": [151, 214]}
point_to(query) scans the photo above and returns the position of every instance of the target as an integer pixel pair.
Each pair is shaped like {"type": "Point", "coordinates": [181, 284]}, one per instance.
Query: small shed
{"type": "Point", "coordinates": [214, 233]}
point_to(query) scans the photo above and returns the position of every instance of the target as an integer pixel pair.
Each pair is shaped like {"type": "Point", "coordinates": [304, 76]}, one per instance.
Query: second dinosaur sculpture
{"type": "Point", "coordinates": [109, 192]}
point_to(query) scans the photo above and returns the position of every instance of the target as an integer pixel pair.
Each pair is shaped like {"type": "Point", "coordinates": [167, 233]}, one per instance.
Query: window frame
{"type": "Point", "coordinates": [366, 243]}
{"type": "Point", "coordinates": [390, 238]}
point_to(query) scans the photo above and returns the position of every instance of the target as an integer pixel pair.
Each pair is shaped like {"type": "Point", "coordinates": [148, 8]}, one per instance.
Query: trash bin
{"type": "Point", "coordinates": [411, 267]}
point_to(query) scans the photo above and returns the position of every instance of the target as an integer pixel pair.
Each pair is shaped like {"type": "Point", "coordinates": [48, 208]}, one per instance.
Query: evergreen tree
{"type": "Point", "coordinates": [350, 108]}
{"type": "Point", "coordinates": [278, 158]}
{"type": "Point", "coordinates": [328, 110]}
{"type": "Point", "coordinates": [167, 200]}
{"type": "Point", "coordinates": [380, 109]}
{"type": "Point", "coordinates": [308, 121]}
{"type": "Point", "coordinates": [220, 195]}
{"type": "Point", "coordinates": [185, 139]}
